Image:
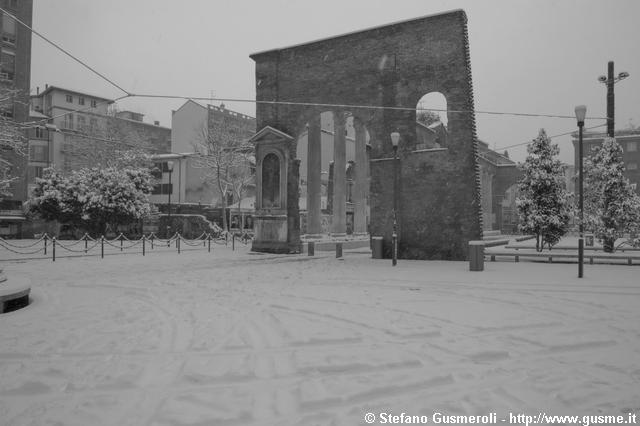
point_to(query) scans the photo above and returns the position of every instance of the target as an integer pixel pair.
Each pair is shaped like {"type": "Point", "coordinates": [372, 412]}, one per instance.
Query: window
{"type": "Point", "coordinates": [38, 153]}
{"type": "Point", "coordinates": [8, 29]}
{"type": "Point", "coordinates": [81, 123]}
{"type": "Point", "coordinates": [80, 100]}
{"type": "Point", "coordinates": [632, 146]}
{"type": "Point", "coordinates": [68, 121]}
{"type": "Point", "coordinates": [40, 133]}
{"type": "Point", "coordinates": [7, 65]}
{"type": "Point", "coordinates": [69, 98]}
{"type": "Point", "coordinates": [94, 103]}
{"type": "Point", "coordinates": [93, 125]}
{"type": "Point", "coordinates": [36, 172]}
{"type": "Point", "coordinates": [6, 112]}
{"type": "Point", "coordinates": [163, 188]}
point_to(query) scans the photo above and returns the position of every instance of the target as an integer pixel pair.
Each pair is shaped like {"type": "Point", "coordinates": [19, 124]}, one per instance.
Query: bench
{"type": "Point", "coordinates": [550, 255]}
{"type": "Point", "coordinates": [14, 294]}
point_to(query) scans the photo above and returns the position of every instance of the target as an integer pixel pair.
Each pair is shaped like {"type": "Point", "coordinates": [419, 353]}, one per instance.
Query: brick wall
{"type": "Point", "coordinates": [394, 66]}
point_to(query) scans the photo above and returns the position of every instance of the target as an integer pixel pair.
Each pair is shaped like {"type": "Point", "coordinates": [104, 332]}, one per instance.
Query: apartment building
{"type": "Point", "coordinates": [15, 77]}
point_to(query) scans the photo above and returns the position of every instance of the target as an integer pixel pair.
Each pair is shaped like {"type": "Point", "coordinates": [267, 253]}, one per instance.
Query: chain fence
{"type": "Point", "coordinates": [49, 246]}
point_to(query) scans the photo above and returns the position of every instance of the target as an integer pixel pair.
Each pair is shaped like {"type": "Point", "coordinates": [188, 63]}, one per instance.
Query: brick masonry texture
{"type": "Point", "coordinates": [391, 66]}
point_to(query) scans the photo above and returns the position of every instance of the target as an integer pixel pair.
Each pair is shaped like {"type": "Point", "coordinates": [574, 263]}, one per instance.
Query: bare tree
{"type": "Point", "coordinates": [227, 160]}
{"type": "Point", "coordinates": [13, 142]}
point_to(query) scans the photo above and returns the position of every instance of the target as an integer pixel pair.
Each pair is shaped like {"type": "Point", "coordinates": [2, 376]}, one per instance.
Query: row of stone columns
{"type": "Point", "coordinates": [314, 183]}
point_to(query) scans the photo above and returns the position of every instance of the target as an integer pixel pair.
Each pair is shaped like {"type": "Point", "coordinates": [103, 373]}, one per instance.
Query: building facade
{"type": "Point", "coordinates": [628, 139]}
{"type": "Point", "coordinates": [15, 78]}
{"type": "Point", "coordinates": [191, 125]}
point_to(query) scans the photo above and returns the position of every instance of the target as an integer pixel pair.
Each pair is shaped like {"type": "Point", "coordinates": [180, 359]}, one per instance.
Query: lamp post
{"type": "Point", "coordinates": [395, 138]}
{"type": "Point", "coordinates": [170, 170]}
{"type": "Point", "coordinates": [581, 111]}
{"type": "Point", "coordinates": [610, 80]}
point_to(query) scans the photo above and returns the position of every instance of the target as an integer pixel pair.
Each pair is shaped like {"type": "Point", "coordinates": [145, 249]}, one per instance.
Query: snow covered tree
{"type": "Point", "coordinates": [91, 199]}
{"type": "Point", "coordinates": [612, 207]}
{"type": "Point", "coordinates": [542, 201]}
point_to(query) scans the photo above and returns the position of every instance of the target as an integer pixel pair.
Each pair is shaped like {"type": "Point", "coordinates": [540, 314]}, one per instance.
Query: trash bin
{"type": "Point", "coordinates": [376, 247]}
{"type": "Point", "coordinates": [476, 255]}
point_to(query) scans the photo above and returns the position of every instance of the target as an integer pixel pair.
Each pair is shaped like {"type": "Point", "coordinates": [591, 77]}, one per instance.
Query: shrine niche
{"type": "Point", "coordinates": [376, 77]}
{"type": "Point", "coordinates": [271, 224]}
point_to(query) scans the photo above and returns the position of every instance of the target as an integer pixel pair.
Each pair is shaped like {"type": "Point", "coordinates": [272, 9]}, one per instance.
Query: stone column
{"type": "Point", "coordinates": [314, 184]}
{"type": "Point", "coordinates": [361, 183]}
{"type": "Point", "coordinates": [339, 222]}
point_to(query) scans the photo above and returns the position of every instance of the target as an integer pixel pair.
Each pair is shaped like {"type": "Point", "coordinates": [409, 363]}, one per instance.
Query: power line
{"type": "Point", "coordinates": [550, 137]}
{"type": "Point", "coordinates": [352, 106]}
{"type": "Point", "coordinates": [63, 51]}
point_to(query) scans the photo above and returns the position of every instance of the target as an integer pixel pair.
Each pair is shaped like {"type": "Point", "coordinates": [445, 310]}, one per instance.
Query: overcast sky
{"type": "Point", "coordinates": [527, 56]}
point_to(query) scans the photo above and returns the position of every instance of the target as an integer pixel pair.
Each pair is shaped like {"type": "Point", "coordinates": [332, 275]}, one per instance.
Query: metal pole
{"type": "Point", "coordinates": [53, 242]}
{"type": "Point", "coordinates": [169, 207]}
{"type": "Point", "coordinates": [102, 247]}
{"type": "Point", "coordinates": [143, 245]}
{"type": "Point", "coordinates": [581, 189]}
{"type": "Point", "coordinates": [394, 236]}
{"type": "Point", "coordinates": [610, 101]}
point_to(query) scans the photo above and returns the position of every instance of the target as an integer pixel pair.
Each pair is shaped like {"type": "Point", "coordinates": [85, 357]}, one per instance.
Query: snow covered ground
{"type": "Point", "coordinates": [234, 338]}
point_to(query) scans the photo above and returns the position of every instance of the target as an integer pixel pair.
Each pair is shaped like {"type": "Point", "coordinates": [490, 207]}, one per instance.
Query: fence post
{"type": "Point", "coordinates": [46, 237]}
{"type": "Point", "coordinates": [121, 238]}
{"type": "Point", "coordinates": [233, 242]}
{"type": "Point", "coordinates": [102, 246]}
{"type": "Point", "coordinates": [209, 240]}
{"type": "Point", "coordinates": [53, 248]}
{"type": "Point", "coordinates": [85, 242]}
{"type": "Point", "coordinates": [152, 235]}
{"type": "Point", "coordinates": [178, 242]}
{"type": "Point", "coordinates": [143, 244]}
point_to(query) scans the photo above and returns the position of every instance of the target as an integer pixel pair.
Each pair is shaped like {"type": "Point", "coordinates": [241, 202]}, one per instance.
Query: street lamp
{"type": "Point", "coordinates": [170, 170]}
{"type": "Point", "coordinates": [610, 80]}
{"type": "Point", "coordinates": [581, 112]}
{"type": "Point", "coordinates": [395, 138]}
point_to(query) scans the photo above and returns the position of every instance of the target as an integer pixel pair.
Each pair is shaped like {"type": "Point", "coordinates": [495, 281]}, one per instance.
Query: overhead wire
{"type": "Point", "coordinates": [550, 137]}
{"type": "Point", "coordinates": [108, 80]}
{"type": "Point", "coordinates": [129, 94]}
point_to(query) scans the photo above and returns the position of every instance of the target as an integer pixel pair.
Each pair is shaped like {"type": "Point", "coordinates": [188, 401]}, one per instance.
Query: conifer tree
{"type": "Point", "coordinates": [612, 207]}
{"type": "Point", "coordinates": [542, 202]}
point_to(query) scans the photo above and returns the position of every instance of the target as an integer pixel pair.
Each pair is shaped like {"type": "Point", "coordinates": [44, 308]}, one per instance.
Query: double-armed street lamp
{"type": "Point", "coordinates": [581, 112]}
{"type": "Point", "coordinates": [610, 80]}
{"type": "Point", "coordinates": [395, 139]}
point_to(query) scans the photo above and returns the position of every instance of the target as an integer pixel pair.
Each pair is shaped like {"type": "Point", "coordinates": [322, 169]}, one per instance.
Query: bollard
{"type": "Point", "coordinates": [178, 243]}
{"type": "Point", "coordinates": [311, 248]}
{"type": "Point", "coordinates": [476, 255]}
{"type": "Point", "coordinates": [376, 249]}
{"type": "Point", "coordinates": [53, 248]}
{"type": "Point", "coordinates": [338, 250]}
{"type": "Point", "coordinates": [85, 242]}
{"type": "Point", "coordinates": [233, 242]}
{"type": "Point", "coordinates": [152, 235]}
{"type": "Point", "coordinates": [102, 247]}
{"type": "Point", "coordinates": [143, 245]}
{"type": "Point", "coordinates": [121, 237]}
{"type": "Point", "coordinates": [46, 237]}
{"type": "Point", "coordinates": [209, 240]}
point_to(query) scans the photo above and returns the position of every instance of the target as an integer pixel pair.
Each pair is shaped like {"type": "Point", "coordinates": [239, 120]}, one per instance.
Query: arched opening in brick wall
{"type": "Point", "coordinates": [318, 151]}
{"type": "Point", "coordinates": [432, 121]}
